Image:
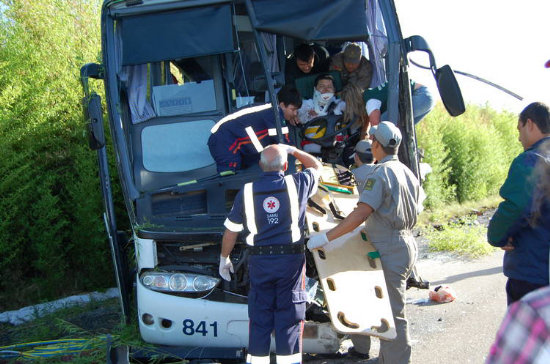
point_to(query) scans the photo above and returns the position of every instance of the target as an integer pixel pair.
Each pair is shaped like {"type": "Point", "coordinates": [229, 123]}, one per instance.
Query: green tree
{"type": "Point", "coordinates": [51, 233]}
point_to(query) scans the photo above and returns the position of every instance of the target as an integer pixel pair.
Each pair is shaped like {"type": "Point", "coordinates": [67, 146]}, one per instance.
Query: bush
{"type": "Point", "coordinates": [470, 155]}
{"type": "Point", "coordinates": [52, 240]}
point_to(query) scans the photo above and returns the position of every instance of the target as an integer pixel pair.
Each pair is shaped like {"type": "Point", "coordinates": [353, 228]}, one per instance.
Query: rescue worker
{"type": "Point", "coordinates": [272, 210]}
{"type": "Point", "coordinates": [376, 100]}
{"type": "Point", "coordinates": [307, 59]}
{"type": "Point", "coordinates": [353, 66]}
{"type": "Point", "coordinates": [390, 201]}
{"type": "Point", "coordinates": [238, 138]}
{"type": "Point", "coordinates": [364, 161]}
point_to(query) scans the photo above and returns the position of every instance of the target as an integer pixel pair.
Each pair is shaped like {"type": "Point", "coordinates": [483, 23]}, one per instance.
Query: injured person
{"type": "Point", "coordinates": [237, 139]}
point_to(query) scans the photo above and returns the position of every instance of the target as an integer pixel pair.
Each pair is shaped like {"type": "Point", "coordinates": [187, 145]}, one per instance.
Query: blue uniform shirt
{"type": "Point", "coordinates": [230, 143]}
{"type": "Point", "coordinates": [273, 218]}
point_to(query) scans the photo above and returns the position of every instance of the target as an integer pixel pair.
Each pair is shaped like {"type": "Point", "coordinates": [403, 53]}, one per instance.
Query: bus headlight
{"type": "Point", "coordinates": [178, 282]}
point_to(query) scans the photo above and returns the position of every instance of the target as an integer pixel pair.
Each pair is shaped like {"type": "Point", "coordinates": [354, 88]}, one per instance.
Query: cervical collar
{"type": "Point", "coordinates": [321, 101]}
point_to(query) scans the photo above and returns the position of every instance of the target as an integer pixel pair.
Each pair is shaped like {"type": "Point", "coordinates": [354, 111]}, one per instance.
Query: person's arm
{"type": "Point", "coordinates": [516, 193]}
{"type": "Point", "coordinates": [304, 113]}
{"type": "Point", "coordinates": [363, 76]}
{"type": "Point", "coordinates": [518, 326]}
{"type": "Point", "coordinates": [353, 220]}
{"type": "Point", "coordinates": [361, 212]}
{"type": "Point", "coordinates": [228, 242]}
{"type": "Point", "coordinates": [373, 112]}
{"type": "Point", "coordinates": [307, 160]}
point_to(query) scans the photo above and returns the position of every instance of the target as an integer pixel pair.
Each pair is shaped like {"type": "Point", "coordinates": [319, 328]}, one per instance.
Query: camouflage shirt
{"type": "Point", "coordinates": [361, 77]}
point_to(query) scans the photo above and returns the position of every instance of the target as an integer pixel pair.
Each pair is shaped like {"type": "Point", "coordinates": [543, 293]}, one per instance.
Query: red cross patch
{"type": "Point", "coordinates": [271, 205]}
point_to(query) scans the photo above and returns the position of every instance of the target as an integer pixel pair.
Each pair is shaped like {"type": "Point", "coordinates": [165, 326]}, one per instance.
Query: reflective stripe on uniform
{"type": "Point", "coordinates": [289, 359]}
{"type": "Point", "coordinates": [252, 359]}
{"type": "Point", "coordinates": [254, 139]}
{"type": "Point", "coordinates": [230, 225]}
{"type": "Point", "coordinates": [250, 214]}
{"type": "Point", "coordinates": [294, 208]}
{"type": "Point", "coordinates": [273, 131]}
{"type": "Point", "coordinates": [238, 114]}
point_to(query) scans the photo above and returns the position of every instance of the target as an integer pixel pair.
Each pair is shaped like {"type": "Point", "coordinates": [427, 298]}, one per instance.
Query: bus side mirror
{"type": "Point", "coordinates": [449, 90]}
{"type": "Point", "coordinates": [93, 113]}
{"type": "Point", "coordinates": [450, 93]}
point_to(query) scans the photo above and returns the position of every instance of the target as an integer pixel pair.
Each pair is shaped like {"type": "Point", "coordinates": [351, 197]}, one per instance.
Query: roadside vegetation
{"type": "Point", "coordinates": [469, 156]}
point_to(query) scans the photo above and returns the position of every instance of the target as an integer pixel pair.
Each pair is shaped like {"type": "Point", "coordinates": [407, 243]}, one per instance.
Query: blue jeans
{"type": "Point", "coordinates": [422, 104]}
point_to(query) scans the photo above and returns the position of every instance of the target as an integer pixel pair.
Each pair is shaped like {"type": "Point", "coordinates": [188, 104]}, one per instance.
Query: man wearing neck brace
{"type": "Point", "coordinates": [323, 101]}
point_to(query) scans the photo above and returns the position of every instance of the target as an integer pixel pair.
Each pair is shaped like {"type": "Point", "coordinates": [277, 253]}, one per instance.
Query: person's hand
{"type": "Point", "coordinates": [225, 267]}
{"type": "Point", "coordinates": [289, 149]}
{"type": "Point", "coordinates": [294, 121]}
{"type": "Point", "coordinates": [312, 112]}
{"type": "Point", "coordinates": [509, 246]}
{"type": "Point", "coordinates": [317, 241]}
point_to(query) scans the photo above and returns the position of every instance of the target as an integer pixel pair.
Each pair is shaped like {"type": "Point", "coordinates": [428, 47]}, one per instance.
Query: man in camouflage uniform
{"type": "Point", "coordinates": [354, 68]}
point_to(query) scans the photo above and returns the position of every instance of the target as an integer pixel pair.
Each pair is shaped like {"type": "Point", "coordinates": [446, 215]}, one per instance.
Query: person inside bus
{"type": "Point", "coordinates": [376, 103]}
{"type": "Point", "coordinates": [353, 66]}
{"type": "Point", "coordinates": [324, 101]}
{"type": "Point", "coordinates": [238, 138]}
{"type": "Point", "coordinates": [307, 59]}
{"type": "Point", "coordinates": [350, 106]}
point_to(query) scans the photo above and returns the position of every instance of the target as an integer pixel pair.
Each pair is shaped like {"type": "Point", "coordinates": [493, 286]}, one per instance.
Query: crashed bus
{"type": "Point", "coordinates": [171, 70]}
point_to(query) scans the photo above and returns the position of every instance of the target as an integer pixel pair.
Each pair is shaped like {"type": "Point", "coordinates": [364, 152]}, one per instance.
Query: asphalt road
{"type": "Point", "coordinates": [457, 332]}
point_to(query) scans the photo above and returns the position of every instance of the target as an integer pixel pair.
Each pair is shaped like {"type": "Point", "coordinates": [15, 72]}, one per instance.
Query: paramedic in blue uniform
{"type": "Point", "coordinates": [389, 203]}
{"type": "Point", "coordinates": [271, 211]}
{"type": "Point", "coordinates": [238, 138]}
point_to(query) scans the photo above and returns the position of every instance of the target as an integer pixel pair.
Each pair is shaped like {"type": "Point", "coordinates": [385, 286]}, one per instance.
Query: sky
{"type": "Point", "coordinates": [503, 41]}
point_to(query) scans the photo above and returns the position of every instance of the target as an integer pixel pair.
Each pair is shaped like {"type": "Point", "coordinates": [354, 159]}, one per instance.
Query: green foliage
{"type": "Point", "coordinates": [463, 237]}
{"type": "Point", "coordinates": [86, 326]}
{"type": "Point", "coordinates": [52, 240]}
{"type": "Point", "coordinates": [470, 155]}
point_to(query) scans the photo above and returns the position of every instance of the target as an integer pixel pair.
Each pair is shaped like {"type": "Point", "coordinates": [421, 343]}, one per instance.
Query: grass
{"type": "Point", "coordinates": [463, 237]}
{"type": "Point", "coordinates": [452, 210]}
{"type": "Point", "coordinates": [98, 323]}
{"type": "Point", "coordinates": [454, 228]}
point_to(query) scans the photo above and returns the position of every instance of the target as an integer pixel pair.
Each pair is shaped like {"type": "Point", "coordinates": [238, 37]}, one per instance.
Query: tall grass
{"type": "Point", "coordinates": [469, 155]}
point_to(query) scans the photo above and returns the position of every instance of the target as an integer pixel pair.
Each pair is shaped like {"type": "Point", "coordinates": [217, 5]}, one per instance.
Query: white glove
{"type": "Point", "coordinates": [317, 241]}
{"type": "Point", "coordinates": [225, 267]}
{"type": "Point", "coordinates": [289, 149]}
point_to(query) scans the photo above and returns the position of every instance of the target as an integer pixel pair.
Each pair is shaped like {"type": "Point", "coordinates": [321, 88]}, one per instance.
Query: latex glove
{"type": "Point", "coordinates": [289, 149]}
{"type": "Point", "coordinates": [317, 241]}
{"type": "Point", "coordinates": [225, 267]}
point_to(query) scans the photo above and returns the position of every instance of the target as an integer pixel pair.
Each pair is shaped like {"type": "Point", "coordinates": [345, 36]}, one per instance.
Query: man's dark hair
{"type": "Point", "coordinates": [539, 113]}
{"type": "Point", "coordinates": [323, 76]}
{"type": "Point", "coordinates": [289, 95]}
{"type": "Point", "coordinates": [304, 52]}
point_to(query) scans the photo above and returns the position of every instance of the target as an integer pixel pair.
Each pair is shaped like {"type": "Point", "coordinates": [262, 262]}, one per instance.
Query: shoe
{"type": "Point", "coordinates": [413, 282]}
{"type": "Point", "coordinates": [352, 353]}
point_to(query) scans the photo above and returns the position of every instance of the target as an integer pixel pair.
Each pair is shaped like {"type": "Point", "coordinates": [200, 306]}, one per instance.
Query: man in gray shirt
{"type": "Point", "coordinates": [364, 161]}
{"type": "Point", "coordinates": [389, 203]}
